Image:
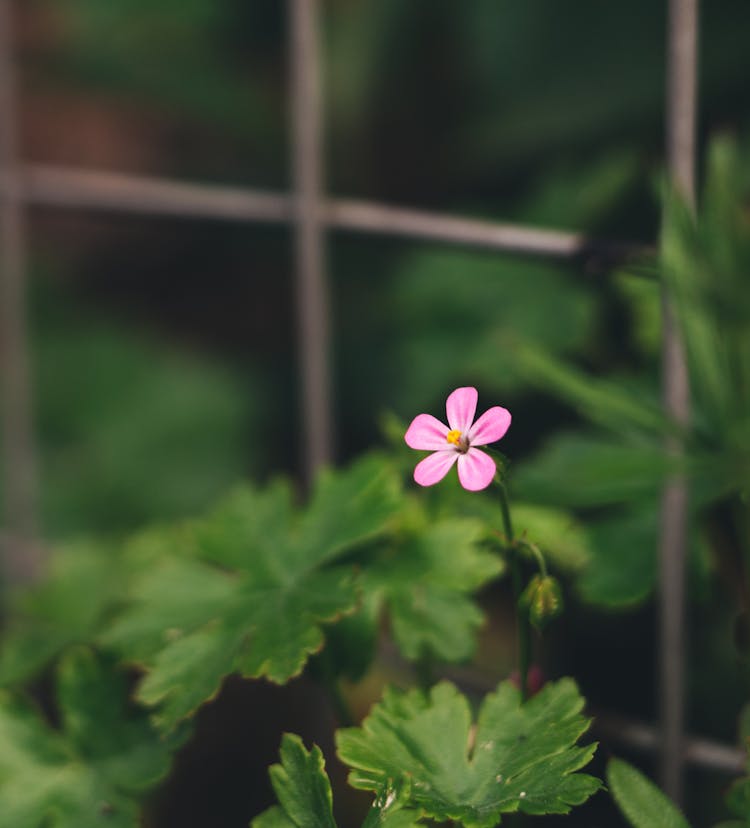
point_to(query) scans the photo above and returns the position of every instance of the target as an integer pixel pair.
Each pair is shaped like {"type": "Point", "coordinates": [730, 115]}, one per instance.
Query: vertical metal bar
{"type": "Point", "coordinates": [680, 136]}
{"type": "Point", "coordinates": [311, 287]}
{"type": "Point", "coordinates": [19, 481]}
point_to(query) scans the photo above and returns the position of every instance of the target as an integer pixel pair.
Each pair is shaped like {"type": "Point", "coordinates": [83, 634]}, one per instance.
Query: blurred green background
{"type": "Point", "coordinates": [164, 351]}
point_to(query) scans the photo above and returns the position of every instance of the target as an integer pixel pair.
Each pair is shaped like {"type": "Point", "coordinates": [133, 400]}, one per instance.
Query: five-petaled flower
{"type": "Point", "coordinates": [457, 441]}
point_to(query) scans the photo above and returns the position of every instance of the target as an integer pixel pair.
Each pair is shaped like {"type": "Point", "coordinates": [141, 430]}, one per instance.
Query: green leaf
{"type": "Point", "coordinates": [605, 402]}
{"type": "Point", "coordinates": [641, 802]}
{"type": "Point", "coordinates": [426, 580]}
{"type": "Point", "coordinates": [151, 432]}
{"type": "Point", "coordinates": [622, 569]}
{"type": "Point", "coordinates": [254, 590]}
{"type": "Point", "coordinates": [738, 798]}
{"type": "Point", "coordinates": [441, 335]}
{"type": "Point", "coordinates": [305, 799]}
{"type": "Point", "coordinates": [583, 470]}
{"type": "Point", "coordinates": [563, 539]}
{"type": "Point", "coordinates": [66, 607]}
{"type": "Point", "coordinates": [520, 757]}
{"type": "Point", "coordinates": [302, 787]}
{"type": "Point", "coordinates": [92, 771]}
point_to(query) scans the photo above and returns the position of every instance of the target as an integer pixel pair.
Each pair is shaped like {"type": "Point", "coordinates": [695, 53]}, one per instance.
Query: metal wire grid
{"type": "Point", "coordinates": [312, 214]}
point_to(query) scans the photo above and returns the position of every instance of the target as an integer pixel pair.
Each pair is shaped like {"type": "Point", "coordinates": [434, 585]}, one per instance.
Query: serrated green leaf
{"type": "Point", "coordinates": [302, 786]}
{"type": "Point", "coordinates": [91, 772]}
{"type": "Point", "coordinates": [426, 582]}
{"type": "Point", "coordinates": [640, 801]}
{"type": "Point", "coordinates": [261, 614]}
{"type": "Point", "coordinates": [305, 798]}
{"type": "Point", "coordinates": [521, 757]}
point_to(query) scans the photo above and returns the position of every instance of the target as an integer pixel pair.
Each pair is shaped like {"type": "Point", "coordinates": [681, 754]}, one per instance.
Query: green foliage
{"type": "Point", "coordinates": [704, 263]}
{"type": "Point", "coordinates": [65, 608]}
{"type": "Point", "coordinates": [425, 578]}
{"type": "Point", "coordinates": [580, 470]}
{"type": "Point", "coordinates": [474, 331]}
{"type": "Point", "coordinates": [130, 433]}
{"type": "Point", "coordinates": [640, 801]}
{"type": "Point", "coordinates": [90, 772]}
{"type": "Point", "coordinates": [304, 793]}
{"type": "Point", "coordinates": [140, 35]}
{"type": "Point", "coordinates": [254, 589]}
{"type": "Point", "coordinates": [737, 798]}
{"type": "Point", "coordinates": [563, 539]}
{"type": "Point", "coordinates": [520, 757]}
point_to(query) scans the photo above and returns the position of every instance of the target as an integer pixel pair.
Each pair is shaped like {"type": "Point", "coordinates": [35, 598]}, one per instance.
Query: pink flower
{"type": "Point", "coordinates": [457, 441]}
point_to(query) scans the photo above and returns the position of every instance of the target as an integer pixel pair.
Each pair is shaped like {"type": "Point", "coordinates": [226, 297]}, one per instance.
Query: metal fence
{"type": "Point", "coordinates": [312, 214]}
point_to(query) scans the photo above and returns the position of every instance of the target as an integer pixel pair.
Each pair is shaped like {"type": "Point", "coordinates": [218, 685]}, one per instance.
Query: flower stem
{"type": "Point", "coordinates": [522, 622]}
{"type": "Point", "coordinates": [537, 553]}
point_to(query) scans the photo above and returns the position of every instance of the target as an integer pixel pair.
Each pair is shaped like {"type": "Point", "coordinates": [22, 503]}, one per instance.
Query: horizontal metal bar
{"type": "Point", "coordinates": [512, 238]}
{"type": "Point", "coordinates": [72, 188]}
{"type": "Point", "coordinates": [694, 750]}
{"type": "Point", "coordinates": [89, 190]}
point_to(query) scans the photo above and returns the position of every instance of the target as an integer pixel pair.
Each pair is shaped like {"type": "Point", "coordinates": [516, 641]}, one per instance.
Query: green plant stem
{"type": "Point", "coordinates": [522, 622]}
{"type": "Point", "coordinates": [340, 705]}
{"type": "Point", "coordinates": [537, 553]}
{"type": "Point", "coordinates": [327, 676]}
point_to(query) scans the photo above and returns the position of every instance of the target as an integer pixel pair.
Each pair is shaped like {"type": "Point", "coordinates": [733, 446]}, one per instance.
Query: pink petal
{"type": "Point", "coordinates": [475, 470]}
{"type": "Point", "coordinates": [434, 467]}
{"type": "Point", "coordinates": [460, 407]}
{"type": "Point", "coordinates": [491, 426]}
{"type": "Point", "coordinates": [426, 432]}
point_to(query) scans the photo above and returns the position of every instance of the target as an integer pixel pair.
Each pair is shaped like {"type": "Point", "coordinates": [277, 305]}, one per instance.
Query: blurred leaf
{"type": "Point", "coordinates": [606, 402]}
{"type": "Point", "coordinates": [622, 569]}
{"type": "Point", "coordinates": [131, 431]}
{"type": "Point", "coordinates": [460, 316]}
{"type": "Point", "coordinates": [521, 757]}
{"type": "Point", "coordinates": [563, 539]}
{"type": "Point", "coordinates": [640, 801]}
{"type": "Point", "coordinates": [576, 196]}
{"type": "Point", "coordinates": [66, 607]}
{"type": "Point", "coordinates": [738, 798]}
{"type": "Point", "coordinates": [581, 470]}
{"type": "Point", "coordinates": [89, 773]}
{"type": "Point", "coordinates": [191, 623]}
{"type": "Point", "coordinates": [643, 297]}
{"type": "Point", "coordinates": [705, 265]}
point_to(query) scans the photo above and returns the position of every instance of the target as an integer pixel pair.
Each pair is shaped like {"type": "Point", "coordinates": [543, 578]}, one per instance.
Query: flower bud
{"type": "Point", "coordinates": [543, 599]}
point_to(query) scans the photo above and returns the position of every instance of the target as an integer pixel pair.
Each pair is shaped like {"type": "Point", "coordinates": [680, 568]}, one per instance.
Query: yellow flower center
{"type": "Point", "coordinates": [454, 437]}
